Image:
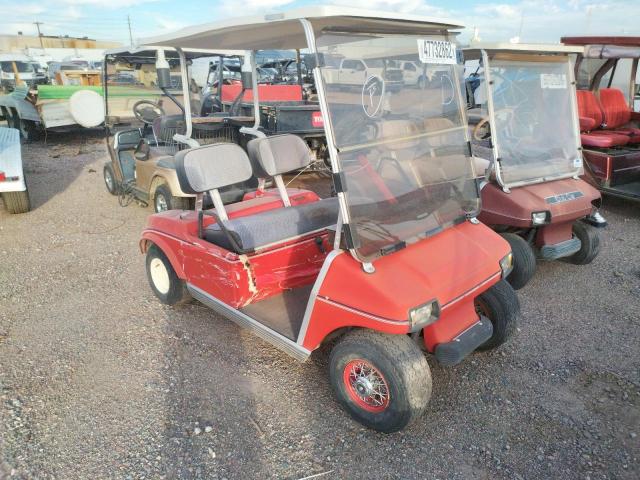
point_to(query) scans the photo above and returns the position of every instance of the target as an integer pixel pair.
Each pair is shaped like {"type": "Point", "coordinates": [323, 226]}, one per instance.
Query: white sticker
{"type": "Point", "coordinates": [439, 52]}
{"type": "Point", "coordinates": [577, 163]}
{"type": "Point", "coordinates": [553, 80]}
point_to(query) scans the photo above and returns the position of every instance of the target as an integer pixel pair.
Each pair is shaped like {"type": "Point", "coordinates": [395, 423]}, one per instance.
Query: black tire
{"type": "Point", "coordinates": [173, 291]}
{"type": "Point", "coordinates": [501, 306]}
{"type": "Point", "coordinates": [110, 179]}
{"type": "Point", "coordinates": [524, 261]}
{"type": "Point", "coordinates": [17, 202]}
{"type": "Point", "coordinates": [163, 200]}
{"type": "Point", "coordinates": [404, 370]}
{"type": "Point", "coordinates": [590, 244]}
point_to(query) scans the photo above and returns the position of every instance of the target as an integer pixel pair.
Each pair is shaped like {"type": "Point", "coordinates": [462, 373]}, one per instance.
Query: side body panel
{"type": "Point", "coordinates": [452, 267]}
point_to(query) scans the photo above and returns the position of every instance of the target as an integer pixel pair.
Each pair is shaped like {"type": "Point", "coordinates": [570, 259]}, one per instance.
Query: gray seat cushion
{"type": "Point", "coordinates": [278, 154]}
{"type": "Point", "coordinates": [255, 231]}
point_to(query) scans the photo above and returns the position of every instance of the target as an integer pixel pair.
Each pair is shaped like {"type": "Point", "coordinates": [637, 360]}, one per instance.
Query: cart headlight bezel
{"type": "Point", "coordinates": [506, 264]}
{"type": "Point", "coordinates": [424, 315]}
{"type": "Point", "coordinates": [541, 218]}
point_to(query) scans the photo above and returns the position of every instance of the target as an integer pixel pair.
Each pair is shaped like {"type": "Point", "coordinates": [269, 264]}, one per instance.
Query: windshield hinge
{"type": "Point", "coordinates": [350, 239]}
{"type": "Point", "coordinates": [368, 267]}
{"type": "Point", "coordinates": [339, 182]}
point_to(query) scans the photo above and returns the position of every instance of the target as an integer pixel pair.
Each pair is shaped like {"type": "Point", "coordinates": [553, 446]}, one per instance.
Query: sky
{"type": "Point", "coordinates": [528, 20]}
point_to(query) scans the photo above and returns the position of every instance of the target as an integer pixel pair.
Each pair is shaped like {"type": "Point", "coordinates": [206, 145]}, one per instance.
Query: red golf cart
{"type": "Point", "coordinates": [609, 104]}
{"type": "Point", "coordinates": [525, 133]}
{"type": "Point", "coordinates": [391, 267]}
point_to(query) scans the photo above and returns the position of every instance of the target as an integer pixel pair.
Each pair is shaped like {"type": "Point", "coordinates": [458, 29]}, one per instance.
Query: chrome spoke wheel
{"type": "Point", "coordinates": [366, 386]}
{"type": "Point", "coordinates": [161, 203]}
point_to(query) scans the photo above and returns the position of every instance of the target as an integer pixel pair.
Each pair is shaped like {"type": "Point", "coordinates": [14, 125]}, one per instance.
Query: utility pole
{"type": "Point", "coordinates": [130, 34]}
{"type": "Point", "coordinates": [37, 24]}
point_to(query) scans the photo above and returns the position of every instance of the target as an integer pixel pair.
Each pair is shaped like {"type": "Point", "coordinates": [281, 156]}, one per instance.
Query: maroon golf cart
{"type": "Point", "coordinates": [395, 265]}
{"type": "Point", "coordinates": [608, 80]}
{"type": "Point", "coordinates": [525, 138]}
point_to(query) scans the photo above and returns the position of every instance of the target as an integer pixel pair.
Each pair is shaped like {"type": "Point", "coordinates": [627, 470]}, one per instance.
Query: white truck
{"type": "Point", "coordinates": [354, 72]}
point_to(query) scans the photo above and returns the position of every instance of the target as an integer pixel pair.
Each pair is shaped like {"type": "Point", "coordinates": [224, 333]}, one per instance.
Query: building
{"type": "Point", "coordinates": [20, 43]}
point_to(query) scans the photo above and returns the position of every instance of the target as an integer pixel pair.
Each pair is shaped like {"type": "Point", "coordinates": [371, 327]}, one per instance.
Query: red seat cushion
{"type": "Point", "coordinates": [603, 139]}
{"type": "Point", "coordinates": [615, 108]}
{"type": "Point", "coordinates": [267, 93]}
{"type": "Point", "coordinates": [589, 108]}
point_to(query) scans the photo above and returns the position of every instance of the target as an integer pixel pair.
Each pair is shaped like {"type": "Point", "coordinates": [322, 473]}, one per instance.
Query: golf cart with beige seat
{"type": "Point", "coordinates": [147, 100]}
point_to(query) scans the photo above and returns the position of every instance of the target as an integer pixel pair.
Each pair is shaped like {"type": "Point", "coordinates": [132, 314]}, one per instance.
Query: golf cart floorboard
{"type": "Point", "coordinates": [631, 189]}
{"type": "Point", "coordinates": [282, 313]}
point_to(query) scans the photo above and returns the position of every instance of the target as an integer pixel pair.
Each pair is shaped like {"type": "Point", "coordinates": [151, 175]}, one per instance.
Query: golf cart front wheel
{"type": "Point", "coordinates": [524, 261]}
{"type": "Point", "coordinates": [163, 200]}
{"type": "Point", "coordinates": [110, 179]}
{"type": "Point", "coordinates": [17, 202]}
{"type": "Point", "coordinates": [383, 381]}
{"type": "Point", "coordinates": [164, 282]}
{"type": "Point", "coordinates": [589, 244]}
{"type": "Point", "coordinates": [501, 306]}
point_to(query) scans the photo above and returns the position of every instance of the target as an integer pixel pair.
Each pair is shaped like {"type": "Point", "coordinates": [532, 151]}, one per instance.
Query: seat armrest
{"type": "Point", "coordinates": [587, 124]}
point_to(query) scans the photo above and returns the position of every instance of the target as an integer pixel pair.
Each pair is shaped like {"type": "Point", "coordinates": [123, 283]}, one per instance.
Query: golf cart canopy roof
{"type": "Point", "coordinates": [256, 32]}
{"type": "Point", "coordinates": [474, 51]}
{"type": "Point", "coordinates": [135, 53]}
{"type": "Point", "coordinates": [607, 47]}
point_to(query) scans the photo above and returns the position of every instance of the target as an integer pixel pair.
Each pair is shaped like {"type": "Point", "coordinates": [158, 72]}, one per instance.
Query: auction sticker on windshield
{"type": "Point", "coordinates": [440, 52]}
{"type": "Point", "coordinates": [553, 80]}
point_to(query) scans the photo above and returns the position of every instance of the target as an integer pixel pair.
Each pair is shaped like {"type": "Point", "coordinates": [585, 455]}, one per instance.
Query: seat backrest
{"type": "Point", "coordinates": [589, 106]}
{"type": "Point", "coordinates": [615, 108]}
{"type": "Point", "coordinates": [166, 126]}
{"type": "Point", "coordinates": [211, 167]}
{"type": "Point", "coordinates": [278, 154]}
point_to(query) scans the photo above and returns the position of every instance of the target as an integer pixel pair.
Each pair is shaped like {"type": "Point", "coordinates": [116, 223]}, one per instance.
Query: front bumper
{"type": "Point", "coordinates": [453, 352]}
{"type": "Point", "coordinates": [560, 250]}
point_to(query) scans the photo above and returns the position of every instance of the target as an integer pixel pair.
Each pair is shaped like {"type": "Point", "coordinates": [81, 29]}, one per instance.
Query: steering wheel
{"type": "Point", "coordinates": [147, 111]}
{"type": "Point", "coordinates": [482, 130]}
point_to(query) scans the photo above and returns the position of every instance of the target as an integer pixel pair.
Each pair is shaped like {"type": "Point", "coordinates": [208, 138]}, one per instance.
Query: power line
{"type": "Point", "coordinates": [37, 24]}
{"type": "Point", "coordinates": [130, 34]}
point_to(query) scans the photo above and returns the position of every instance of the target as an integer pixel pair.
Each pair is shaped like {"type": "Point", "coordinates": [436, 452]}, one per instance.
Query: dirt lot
{"type": "Point", "coordinates": [99, 380]}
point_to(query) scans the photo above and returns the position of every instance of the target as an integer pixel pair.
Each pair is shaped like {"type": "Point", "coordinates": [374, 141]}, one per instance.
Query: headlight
{"type": "Point", "coordinates": [506, 264]}
{"type": "Point", "coordinates": [424, 315]}
{"type": "Point", "coordinates": [541, 218]}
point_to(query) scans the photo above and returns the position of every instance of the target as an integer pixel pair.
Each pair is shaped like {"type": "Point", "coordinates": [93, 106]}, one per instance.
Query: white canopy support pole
{"type": "Point", "coordinates": [255, 130]}
{"type": "Point", "coordinates": [185, 91]}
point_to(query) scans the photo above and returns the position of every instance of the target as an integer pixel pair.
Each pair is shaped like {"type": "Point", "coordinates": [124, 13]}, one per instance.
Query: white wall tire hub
{"type": "Point", "coordinates": [159, 276]}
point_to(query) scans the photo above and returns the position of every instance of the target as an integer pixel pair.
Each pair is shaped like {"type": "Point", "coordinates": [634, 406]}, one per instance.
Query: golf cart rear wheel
{"type": "Point", "coordinates": [163, 200]}
{"type": "Point", "coordinates": [501, 306]}
{"type": "Point", "coordinates": [590, 244]}
{"type": "Point", "coordinates": [110, 179]}
{"type": "Point", "coordinates": [524, 261]}
{"type": "Point", "coordinates": [17, 202]}
{"type": "Point", "coordinates": [163, 279]}
{"type": "Point", "coordinates": [383, 381]}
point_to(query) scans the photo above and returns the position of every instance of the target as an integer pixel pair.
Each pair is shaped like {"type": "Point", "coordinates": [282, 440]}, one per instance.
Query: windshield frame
{"type": "Point", "coordinates": [495, 143]}
{"type": "Point", "coordinates": [344, 226]}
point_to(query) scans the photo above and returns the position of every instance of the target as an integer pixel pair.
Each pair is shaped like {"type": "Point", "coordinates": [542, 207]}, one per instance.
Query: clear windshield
{"type": "Point", "coordinates": [534, 128]}
{"type": "Point", "coordinates": [402, 143]}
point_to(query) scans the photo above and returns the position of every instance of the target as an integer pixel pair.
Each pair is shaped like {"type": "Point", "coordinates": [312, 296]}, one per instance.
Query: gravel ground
{"type": "Point", "coordinates": [99, 380]}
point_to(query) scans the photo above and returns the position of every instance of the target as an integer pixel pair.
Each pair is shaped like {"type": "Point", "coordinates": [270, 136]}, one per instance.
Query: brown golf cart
{"type": "Point", "coordinates": [525, 138]}
{"type": "Point", "coordinates": [608, 80]}
{"type": "Point", "coordinates": [147, 100]}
